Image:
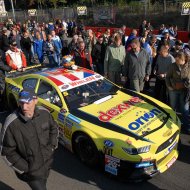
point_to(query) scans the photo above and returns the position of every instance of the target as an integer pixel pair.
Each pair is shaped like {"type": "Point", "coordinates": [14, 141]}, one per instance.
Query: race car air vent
{"type": "Point", "coordinates": [168, 142]}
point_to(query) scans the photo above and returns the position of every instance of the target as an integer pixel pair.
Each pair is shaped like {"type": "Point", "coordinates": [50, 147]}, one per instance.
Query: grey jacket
{"type": "Point", "coordinates": [136, 67]}
{"type": "Point", "coordinates": [114, 58]}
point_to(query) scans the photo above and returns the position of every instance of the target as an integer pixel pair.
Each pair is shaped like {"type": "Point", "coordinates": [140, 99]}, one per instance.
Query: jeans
{"type": "Point", "coordinates": [52, 60]}
{"type": "Point", "coordinates": [160, 90]}
{"type": "Point", "coordinates": [57, 59]}
{"type": "Point", "coordinates": [39, 184]}
{"type": "Point", "coordinates": [177, 102]}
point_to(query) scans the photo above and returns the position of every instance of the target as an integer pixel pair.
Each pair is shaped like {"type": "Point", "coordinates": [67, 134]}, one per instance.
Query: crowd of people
{"type": "Point", "coordinates": [130, 61]}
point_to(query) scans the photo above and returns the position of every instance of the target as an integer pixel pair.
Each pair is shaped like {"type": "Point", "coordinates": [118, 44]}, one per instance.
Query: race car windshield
{"type": "Point", "coordinates": [87, 94]}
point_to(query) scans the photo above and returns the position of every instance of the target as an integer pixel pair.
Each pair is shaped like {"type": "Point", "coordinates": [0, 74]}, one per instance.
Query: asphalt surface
{"type": "Point", "coordinates": [68, 173]}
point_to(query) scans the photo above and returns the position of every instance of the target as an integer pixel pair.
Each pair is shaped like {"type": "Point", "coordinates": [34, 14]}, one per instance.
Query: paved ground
{"type": "Point", "coordinates": [69, 174]}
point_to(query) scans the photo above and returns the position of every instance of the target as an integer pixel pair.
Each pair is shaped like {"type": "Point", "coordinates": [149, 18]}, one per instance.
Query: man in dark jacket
{"type": "Point", "coordinates": [3, 69]}
{"type": "Point", "coordinates": [28, 140]}
{"type": "Point", "coordinates": [98, 54]}
{"type": "Point", "coordinates": [137, 67]}
{"type": "Point", "coordinates": [5, 40]}
{"type": "Point", "coordinates": [82, 56]}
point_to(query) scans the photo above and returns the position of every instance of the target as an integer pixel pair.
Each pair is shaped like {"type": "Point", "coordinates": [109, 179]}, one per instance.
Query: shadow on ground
{"type": "Point", "coordinates": [68, 165]}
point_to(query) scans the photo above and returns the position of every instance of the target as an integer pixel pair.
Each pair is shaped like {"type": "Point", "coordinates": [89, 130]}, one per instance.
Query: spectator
{"type": "Point", "coordinates": [163, 62]}
{"type": "Point", "coordinates": [82, 57]}
{"type": "Point", "coordinates": [177, 48]}
{"type": "Point", "coordinates": [107, 36]}
{"type": "Point", "coordinates": [165, 39]}
{"type": "Point", "coordinates": [14, 35]}
{"type": "Point", "coordinates": [172, 31]}
{"type": "Point", "coordinates": [90, 40]}
{"type": "Point", "coordinates": [162, 29]}
{"type": "Point", "coordinates": [132, 36]}
{"type": "Point", "coordinates": [57, 47]}
{"type": "Point", "coordinates": [149, 28]}
{"type": "Point", "coordinates": [26, 44]}
{"type": "Point", "coordinates": [49, 49]}
{"type": "Point", "coordinates": [64, 41]}
{"type": "Point", "coordinates": [5, 40]}
{"type": "Point", "coordinates": [3, 69]}
{"type": "Point", "coordinates": [98, 55]}
{"type": "Point", "coordinates": [15, 58]}
{"type": "Point", "coordinates": [137, 67]}
{"type": "Point", "coordinates": [114, 60]}
{"type": "Point", "coordinates": [38, 47]}
{"type": "Point", "coordinates": [142, 28]}
{"type": "Point", "coordinates": [122, 32]}
{"type": "Point", "coordinates": [73, 44]}
{"type": "Point", "coordinates": [28, 139]}
{"type": "Point", "coordinates": [178, 81]}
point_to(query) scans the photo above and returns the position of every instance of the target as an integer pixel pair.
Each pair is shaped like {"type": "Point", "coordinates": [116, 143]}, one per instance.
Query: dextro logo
{"type": "Point", "coordinates": [118, 109]}
{"type": "Point", "coordinates": [144, 119]}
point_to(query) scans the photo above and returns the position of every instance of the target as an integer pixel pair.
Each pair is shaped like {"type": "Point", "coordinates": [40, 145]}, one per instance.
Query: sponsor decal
{"type": "Point", "coordinates": [61, 117]}
{"type": "Point", "coordinates": [82, 81]}
{"type": "Point", "coordinates": [128, 141]}
{"type": "Point", "coordinates": [112, 164]}
{"type": "Point", "coordinates": [171, 162]}
{"type": "Point", "coordinates": [107, 151]}
{"type": "Point", "coordinates": [98, 76]}
{"type": "Point", "coordinates": [108, 143]}
{"type": "Point", "coordinates": [118, 109]}
{"type": "Point", "coordinates": [13, 88]}
{"type": "Point", "coordinates": [65, 87]}
{"type": "Point", "coordinates": [68, 123]}
{"type": "Point", "coordinates": [143, 119]}
{"type": "Point", "coordinates": [73, 118]}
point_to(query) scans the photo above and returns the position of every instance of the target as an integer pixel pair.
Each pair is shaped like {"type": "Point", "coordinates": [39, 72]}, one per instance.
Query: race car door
{"type": "Point", "coordinates": [51, 98]}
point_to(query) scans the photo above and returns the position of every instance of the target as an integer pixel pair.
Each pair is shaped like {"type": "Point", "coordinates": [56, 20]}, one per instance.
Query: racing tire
{"type": "Point", "coordinates": [86, 150]}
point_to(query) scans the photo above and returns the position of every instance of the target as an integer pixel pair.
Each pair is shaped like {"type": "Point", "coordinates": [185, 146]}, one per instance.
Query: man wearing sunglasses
{"type": "Point", "coordinates": [15, 58]}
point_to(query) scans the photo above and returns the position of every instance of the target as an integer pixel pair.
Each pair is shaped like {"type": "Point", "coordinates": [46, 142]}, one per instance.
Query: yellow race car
{"type": "Point", "coordinates": [131, 134]}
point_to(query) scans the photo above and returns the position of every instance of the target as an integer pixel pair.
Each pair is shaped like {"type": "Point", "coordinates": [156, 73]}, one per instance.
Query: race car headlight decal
{"type": "Point", "coordinates": [135, 151]}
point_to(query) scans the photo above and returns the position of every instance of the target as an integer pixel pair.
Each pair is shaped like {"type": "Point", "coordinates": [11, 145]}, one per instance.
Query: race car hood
{"type": "Point", "coordinates": [127, 113]}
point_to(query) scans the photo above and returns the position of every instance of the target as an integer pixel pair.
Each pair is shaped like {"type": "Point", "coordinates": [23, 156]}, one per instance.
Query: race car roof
{"type": "Point", "coordinates": [67, 79]}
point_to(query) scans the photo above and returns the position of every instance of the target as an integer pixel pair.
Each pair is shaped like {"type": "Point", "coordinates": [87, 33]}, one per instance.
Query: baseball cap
{"type": "Point", "coordinates": [27, 95]}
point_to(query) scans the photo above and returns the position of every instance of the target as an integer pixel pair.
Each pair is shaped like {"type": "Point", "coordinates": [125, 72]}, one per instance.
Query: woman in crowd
{"type": "Point", "coordinates": [178, 83]}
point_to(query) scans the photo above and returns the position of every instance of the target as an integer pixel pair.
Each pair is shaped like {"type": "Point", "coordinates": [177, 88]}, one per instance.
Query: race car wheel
{"type": "Point", "coordinates": [86, 150]}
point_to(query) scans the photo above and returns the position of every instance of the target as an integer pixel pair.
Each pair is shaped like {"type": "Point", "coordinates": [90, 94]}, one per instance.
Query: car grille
{"type": "Point", "coordinates": [168, 142]}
